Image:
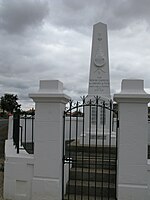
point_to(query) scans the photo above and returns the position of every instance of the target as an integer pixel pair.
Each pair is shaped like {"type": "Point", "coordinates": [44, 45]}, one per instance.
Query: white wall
{"type": "Point", "coordinates": [28, 129]}
{"type": "Point", "coordinates": [73, 127]}
{"type": "Point", "coordinates": [18, 173]}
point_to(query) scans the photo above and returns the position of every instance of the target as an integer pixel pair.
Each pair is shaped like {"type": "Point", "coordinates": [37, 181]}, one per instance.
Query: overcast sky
{"type": "Point", "coordinates": [51, 39]}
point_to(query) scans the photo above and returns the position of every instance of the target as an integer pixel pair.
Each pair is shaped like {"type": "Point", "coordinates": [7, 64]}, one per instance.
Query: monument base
{"type": "Point", "coordinates": [99, 139]}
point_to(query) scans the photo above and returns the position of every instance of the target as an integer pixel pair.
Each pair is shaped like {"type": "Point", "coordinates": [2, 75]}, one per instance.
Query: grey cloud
{"type": "Point", "coordinates": [132, 9]}
{"type": "Point", "coordinates": [60, 49]}
{"type": "Point", "coordinates": [117, 14]}
{"type": "Point", "coordinates": [16, 15]}
{"type": "Point", "coordinates": [14, 82]}
{"type": "Point", "coordinates": [123, 13]}
{"type": "Point", "coordinates": [76, 14]}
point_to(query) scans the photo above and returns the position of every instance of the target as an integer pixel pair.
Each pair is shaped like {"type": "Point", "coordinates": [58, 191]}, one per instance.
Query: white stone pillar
{"type": "Point", "coordinates": [49, 107]}
{"type": "Point", "coordinates": [10, 127]}
{"type": "Point", "coordinates": [132, 141]}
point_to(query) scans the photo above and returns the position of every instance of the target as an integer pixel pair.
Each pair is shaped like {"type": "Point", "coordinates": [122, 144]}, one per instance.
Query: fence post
{"type": "Point", "coordinates": [16, 126]}
{"type": "Point", "coordinates": [49, 107]}
{"type": "Point", "coordinates": [132, 141]}
{"type": "Point", "coordinates": [10, 127]}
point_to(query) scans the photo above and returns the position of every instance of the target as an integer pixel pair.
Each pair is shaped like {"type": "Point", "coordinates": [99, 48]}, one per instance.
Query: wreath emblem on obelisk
{"type": "Point", "coordinates": [99, 59]}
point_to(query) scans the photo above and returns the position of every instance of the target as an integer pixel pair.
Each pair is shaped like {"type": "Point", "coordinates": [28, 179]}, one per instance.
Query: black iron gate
{"type": "Point", "coordinates": [90, 150]}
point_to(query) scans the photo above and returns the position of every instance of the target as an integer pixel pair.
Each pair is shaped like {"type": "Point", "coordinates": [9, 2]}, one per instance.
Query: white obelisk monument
{"type": "Point", "coordinates": [99, 82]}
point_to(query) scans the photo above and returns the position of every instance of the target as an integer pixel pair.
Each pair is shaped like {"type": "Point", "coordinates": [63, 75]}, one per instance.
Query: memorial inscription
{"type": "Point", "coordinates": [99, 85]}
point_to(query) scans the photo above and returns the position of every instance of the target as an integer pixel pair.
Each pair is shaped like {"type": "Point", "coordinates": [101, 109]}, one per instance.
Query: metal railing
{"type": "Point", "coordinates": [90, 159]}
{"type": "Point", "coordinates": [23, 132]}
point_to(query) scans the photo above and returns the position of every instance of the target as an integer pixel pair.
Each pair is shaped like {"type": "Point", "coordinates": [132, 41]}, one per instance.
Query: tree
{"type": "Point", "coordinates": [9, 103]}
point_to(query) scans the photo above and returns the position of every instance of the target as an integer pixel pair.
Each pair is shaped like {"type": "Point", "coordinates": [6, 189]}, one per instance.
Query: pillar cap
{"type": "Point", "coordinates": [50, 91]}
{"type": "Point", "coordinates": [132, 86]}
{"type": "Point", "coordinates": [50, 86]}
{"type": "Point", "coordinates": [132, 90]}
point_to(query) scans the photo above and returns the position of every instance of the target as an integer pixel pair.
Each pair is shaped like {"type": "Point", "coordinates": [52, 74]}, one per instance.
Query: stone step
{"type": "Point", "coordinates": [91, 188]}
{"type": "Point", "coordinates": [93, 157]}
{"type": "Point", "coordinates": [87, 154]}
{"type": "Point", "coordinates": [73, 147]}
{"type": "Point", "coordinates": [78, 197]}
{"type": "Point", "coordinates": [92, 175]}
{"type": "Point", "coordinates": [94, 163]}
